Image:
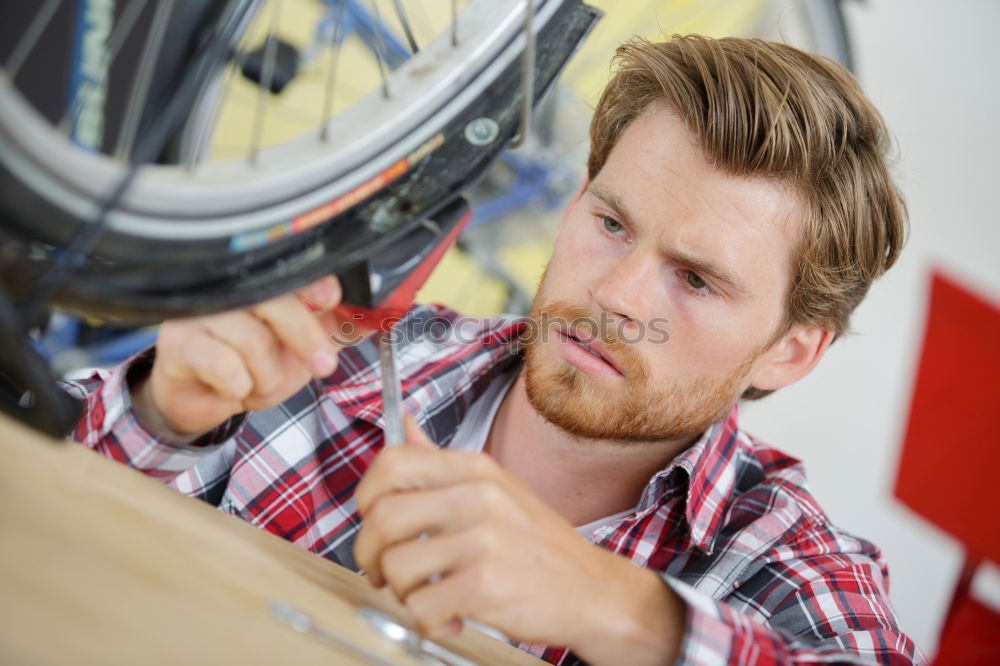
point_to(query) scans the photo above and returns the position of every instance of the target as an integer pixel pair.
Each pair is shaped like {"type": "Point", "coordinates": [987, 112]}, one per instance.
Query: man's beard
{"type": "Point", "coordinates": [641, 410]}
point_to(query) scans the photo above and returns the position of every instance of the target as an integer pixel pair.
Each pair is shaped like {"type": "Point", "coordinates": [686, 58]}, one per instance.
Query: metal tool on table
{"type": "Point", "coordinates": [379, 291]}
{"type": "Point", "coordinates": [426, 651]}
{"type": "Point", "coordinates": [420, 649]}
{"type": "Point", "coordinates": [304, 624]}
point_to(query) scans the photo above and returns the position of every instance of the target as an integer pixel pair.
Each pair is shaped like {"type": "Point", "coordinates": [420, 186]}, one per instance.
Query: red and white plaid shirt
{"type": "Point", "coordinates": [729, 522]}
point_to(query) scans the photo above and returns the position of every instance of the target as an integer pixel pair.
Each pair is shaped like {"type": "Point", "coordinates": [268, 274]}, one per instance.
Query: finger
{"type": "Point", "coordinates": [414, 434]}
{"type": "Point", "coordinates": [403, 468]}
{"type": "Point", "coordinates": [452, 628]}
{"type": "Point", "coordinates": [217, 365]}
{"type": "Point", "coordinates": [343, 329]}
{"type": "Point", "coordinates": [323, 294]}
{"type": "Point", "coordinates": [399, 517]}
{"type": "Point", "coordinates": [409, 565]}
{"type": "Point", "coordinates": [296, 375]}
{"type": "Point", "coordinates": [255, 343]}
{"type": "Point", "coordinates": [299, 331]}
{"type": "Point", "coordinates": [394, 518]}
{"type": "Point", "coordinates": [439, 607]}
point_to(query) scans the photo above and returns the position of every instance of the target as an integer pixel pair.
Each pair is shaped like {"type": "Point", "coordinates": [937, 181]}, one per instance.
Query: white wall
{"type": "Point", "coordinates": [932, 69]}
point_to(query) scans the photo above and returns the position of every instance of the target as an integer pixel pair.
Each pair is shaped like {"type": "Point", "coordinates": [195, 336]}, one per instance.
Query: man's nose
{"type": "Point", "coordinates": [628, 286]}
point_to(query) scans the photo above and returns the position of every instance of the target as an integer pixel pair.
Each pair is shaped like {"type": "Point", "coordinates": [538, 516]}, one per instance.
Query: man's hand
{"type": "Point", "coordinates": [457, 537]}
{"type": "Point", "coordinates": [210, 368]}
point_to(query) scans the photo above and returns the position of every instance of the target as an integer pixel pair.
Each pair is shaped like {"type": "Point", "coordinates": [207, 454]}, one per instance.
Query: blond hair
{"type": "Point", "coordinates": [763, 109]}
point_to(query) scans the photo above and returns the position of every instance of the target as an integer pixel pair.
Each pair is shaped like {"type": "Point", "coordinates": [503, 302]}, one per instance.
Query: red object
{"type": "Point", "coordinates": [972, 637]}
{"type": "Point", "coordinates": [952, 418]}
{"type": "Point", "coordinates": [396, 305]}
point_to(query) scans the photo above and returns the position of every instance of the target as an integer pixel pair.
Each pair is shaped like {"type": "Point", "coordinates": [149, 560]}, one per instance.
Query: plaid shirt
{"type": "Point", "coordinates": [728, 523]}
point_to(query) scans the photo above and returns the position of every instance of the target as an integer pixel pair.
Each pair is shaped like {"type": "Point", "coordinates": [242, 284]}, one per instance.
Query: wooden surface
{"type": "Point", "coordinates": [101, 565]}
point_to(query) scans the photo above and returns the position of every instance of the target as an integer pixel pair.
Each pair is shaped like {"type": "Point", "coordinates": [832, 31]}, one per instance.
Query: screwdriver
{"type": "Point", "coordinates": [392, 390]}
{"type": "Point", "coordinates": [379, 291]}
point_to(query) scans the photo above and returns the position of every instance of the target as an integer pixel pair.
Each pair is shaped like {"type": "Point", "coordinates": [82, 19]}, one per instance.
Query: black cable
{"type": "Point", "coordinates": [26, 389]}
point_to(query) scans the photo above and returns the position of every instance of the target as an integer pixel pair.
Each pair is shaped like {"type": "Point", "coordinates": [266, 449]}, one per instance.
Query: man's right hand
{"type": "Point", "coordinates": [210, 368]}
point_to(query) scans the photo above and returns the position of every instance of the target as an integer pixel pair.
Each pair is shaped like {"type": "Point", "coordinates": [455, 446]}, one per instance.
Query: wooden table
{"type": "Point", "coordinates": [101, 565]}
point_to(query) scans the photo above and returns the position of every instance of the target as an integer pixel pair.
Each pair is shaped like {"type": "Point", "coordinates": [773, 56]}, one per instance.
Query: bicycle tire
{"type": "Point", "coordinates": [169, 253]}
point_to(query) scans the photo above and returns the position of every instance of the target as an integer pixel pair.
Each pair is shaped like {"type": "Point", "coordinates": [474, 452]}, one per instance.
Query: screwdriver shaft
{"type": "Point", "coordinates": [392, 391]}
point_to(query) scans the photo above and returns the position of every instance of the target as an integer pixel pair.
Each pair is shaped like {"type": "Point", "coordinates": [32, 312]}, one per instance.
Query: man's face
{"type": "Point", "coordinates": [676, 274]}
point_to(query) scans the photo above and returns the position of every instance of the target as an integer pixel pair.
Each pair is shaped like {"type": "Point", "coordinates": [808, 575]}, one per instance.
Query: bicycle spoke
{"type": "Point", "coordinates": [143, 79]}
{"type": "Point", "coordinates": [335, 39]}
{"type": "Point", "coordinates": [198, 148]}
{"type": "Point", "coordinates": [31, 37]}
{"type": "Point", "coordinates": [454, 22]}
{"type": "Point", "coordinates": [527, 76]}
{"type": "Point", "coordinates": [380, 48]}
{"type": "Point", "coordinates": [266, 78]}
{"type": "Point", "coordinates": [407, 30]}
{"type": "Point", "coordinates": [115, 41]}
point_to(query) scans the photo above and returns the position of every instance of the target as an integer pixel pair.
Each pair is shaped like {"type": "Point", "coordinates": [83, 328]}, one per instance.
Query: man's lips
{"type": "Point", "coordinates": [593, 345]}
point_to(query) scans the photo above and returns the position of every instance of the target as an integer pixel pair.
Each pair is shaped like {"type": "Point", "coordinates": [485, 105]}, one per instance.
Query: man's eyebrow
{"type": "Point", "coordinates": [611, 200]}
{"type": "Point", "coordinates": [704, 267]}
{"type": "Point", "coordinates": [698, 265]}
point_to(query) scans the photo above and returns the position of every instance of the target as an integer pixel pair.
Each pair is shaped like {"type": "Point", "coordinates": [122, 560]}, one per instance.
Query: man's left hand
{"type": "Point", "coordinates": [455, 536]}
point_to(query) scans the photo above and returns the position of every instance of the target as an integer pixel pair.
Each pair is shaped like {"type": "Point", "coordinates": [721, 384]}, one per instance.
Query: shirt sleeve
{"type": "Point", "coordinates": [109, 426]}
{"type": "Point", "coordinates": [838, 616]}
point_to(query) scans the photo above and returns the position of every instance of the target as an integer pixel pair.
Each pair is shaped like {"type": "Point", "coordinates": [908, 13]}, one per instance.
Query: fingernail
{"type": "Point", "coordinates": [323, 363]}
{"type": "Point", "coordinates": [454, 627]}
{"type": "Point", "coordinates": [318, 297]}
{"type": "Point", "coordinates": [324, 293]}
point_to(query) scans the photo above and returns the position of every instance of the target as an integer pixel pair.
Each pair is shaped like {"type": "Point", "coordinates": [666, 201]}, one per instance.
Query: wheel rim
{"type": "Point", "coordinates": [235, 198]}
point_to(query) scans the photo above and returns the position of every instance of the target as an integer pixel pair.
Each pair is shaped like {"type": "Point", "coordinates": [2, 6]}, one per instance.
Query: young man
{"type": "Point", "coordinates": [737, 210]}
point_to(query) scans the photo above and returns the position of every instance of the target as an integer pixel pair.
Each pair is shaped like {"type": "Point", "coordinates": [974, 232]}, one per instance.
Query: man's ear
{"type": "Point", "coordinates": [791, 358]}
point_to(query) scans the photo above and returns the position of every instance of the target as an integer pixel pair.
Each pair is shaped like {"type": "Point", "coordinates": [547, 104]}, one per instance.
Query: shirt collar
{"type": "Point", "coordinates": [710, 469]}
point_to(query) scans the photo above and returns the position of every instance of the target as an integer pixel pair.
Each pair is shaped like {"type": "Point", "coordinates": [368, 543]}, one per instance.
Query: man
{"type": "Point", "coordinates": [738, 208]}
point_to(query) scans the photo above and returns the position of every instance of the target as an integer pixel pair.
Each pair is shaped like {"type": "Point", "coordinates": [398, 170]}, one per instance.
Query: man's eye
{"type": "Point", "coordinates": [696, 281]}
{"type": "Point", "coordinates": [611, 225]}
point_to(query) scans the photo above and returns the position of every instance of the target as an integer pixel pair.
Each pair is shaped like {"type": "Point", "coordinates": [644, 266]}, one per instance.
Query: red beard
{"type": "Point", "coordinates": [633, 409]}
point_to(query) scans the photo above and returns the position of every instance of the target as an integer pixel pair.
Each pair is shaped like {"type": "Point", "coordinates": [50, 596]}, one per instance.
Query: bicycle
{"type": "Point", "coordinates": [145, 241]}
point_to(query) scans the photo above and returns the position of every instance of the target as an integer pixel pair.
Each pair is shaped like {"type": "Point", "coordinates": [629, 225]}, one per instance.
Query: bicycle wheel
{"type": "Point", "coordinates": [181, 241]}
